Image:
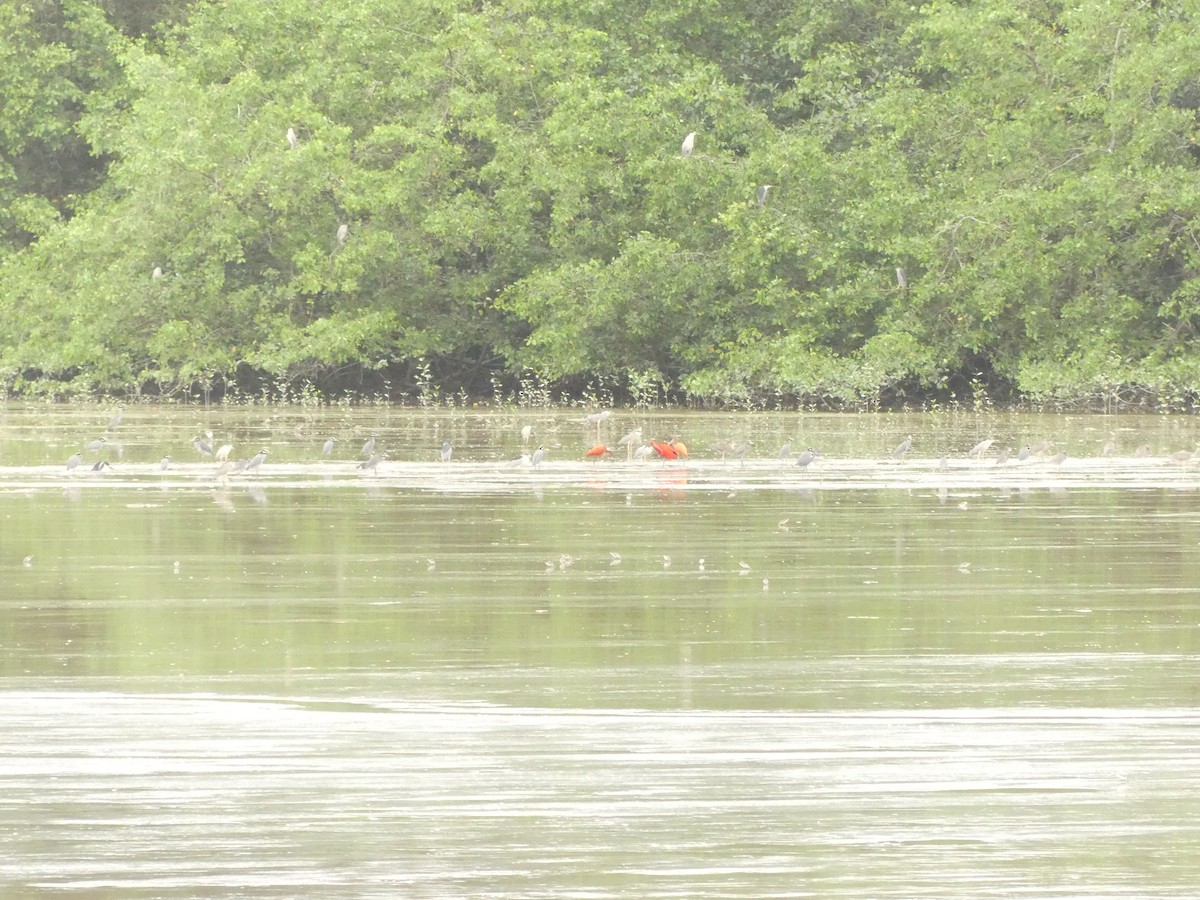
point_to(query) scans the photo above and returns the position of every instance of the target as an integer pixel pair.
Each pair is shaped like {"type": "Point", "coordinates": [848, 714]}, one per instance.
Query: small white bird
{"type": "Point", "coordinates": [157, 273]}
{"type": "Point", "coordinates": [526, 433]}
{"type": "Point", "coordinates": [343, 232]}
{"type": "Point", "coordinates": [689, 144]}
{"type": "Point", "coordinates": [165, 462]}
{"type": "Point", "coordinates": [223, 452]}
{"type": "Point", "coordinates": [291, 138]}
{"type": "Point", "coordinates": [763, 190]}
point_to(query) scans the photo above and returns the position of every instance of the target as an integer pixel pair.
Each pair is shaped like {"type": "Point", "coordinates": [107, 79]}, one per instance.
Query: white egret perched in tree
{"type": "Point", "coordinates": [291, 138]}
{"type": "Point", "coordinates": [157, 273]}
{"type": "Point", "coordinates": [763, 190]}
{"type": "Point", "coordinates": [343, 232]}
{"type": "Point", "coordinates": [689, 144]}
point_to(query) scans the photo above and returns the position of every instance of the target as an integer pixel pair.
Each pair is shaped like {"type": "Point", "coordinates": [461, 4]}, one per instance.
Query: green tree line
{"type": "Point", "coordinates": [883, 200]}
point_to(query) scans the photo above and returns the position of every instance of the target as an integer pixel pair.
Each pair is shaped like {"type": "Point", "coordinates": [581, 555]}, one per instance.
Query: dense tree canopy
{"type": "Point", "coordinates": [994, 193]}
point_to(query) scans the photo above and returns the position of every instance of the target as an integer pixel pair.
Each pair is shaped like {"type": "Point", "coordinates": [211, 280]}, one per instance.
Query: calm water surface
{"type": "Point", "coordinates": [874, 678]}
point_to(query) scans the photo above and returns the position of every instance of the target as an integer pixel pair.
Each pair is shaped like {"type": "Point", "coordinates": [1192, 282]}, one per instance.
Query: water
{"type": "Point", "coordinates": [473, 679]}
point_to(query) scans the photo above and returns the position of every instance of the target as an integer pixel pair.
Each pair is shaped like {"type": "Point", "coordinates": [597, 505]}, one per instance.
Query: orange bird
{"type": "Point", "coordinates": [663, 449]}
{"type": "Point", "coordinates": [597, 453]}
{"type": "Point", "coordinates": [679, 447]}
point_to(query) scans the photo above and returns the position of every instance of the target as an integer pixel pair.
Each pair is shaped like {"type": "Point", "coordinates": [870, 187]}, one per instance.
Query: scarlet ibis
{"type": "Point", "coordinates": [597, 453]}
{"type": "Point", "coordinates": [679, 447]}
{"type": "Point", "coordinates": [663, 449]}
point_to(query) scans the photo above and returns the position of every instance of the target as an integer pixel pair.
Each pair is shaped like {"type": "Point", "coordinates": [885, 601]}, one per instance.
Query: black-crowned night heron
{"type": "Point", "coordinates": [165, 462]}
{"type": "Point", "coordinates": [75, 460]}
{"type": "Point", "coordinates": [328, 448]}
{"type": "Point", "coordinates": [116, 418]}
{"type": "Point", "coordinates": [903, 448]}
{"type": "Point", "coordinates": [202, 446]}
{"type": "Point", "coordinates": [370, 465]}
{"type": "Point", "coordinates": [689, 144]}
{"type": "Point", "coordinates": [1024, 453]}
{"type": "Point", "coordinates": [257, 460]}
{"type": "Point", "coordinates": [369, 447]}
{"type": "Point", "coordinates": [538, 455]}
{"type": "Point", "coordinates": [96, 445]}
{"type": "Point", "coordinates": [981, 448]}
{"type": "Point", "coordinates": [101, 466]}
{"type": "Point", "coordinates": [447, 451]}
{"type": "Point", "coordinates": [805, 459]}
{"type": "Point", "coordinates": [786, 450]}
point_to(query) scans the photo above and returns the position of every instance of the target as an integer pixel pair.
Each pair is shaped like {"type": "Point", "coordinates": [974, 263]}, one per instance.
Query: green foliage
{"type": "Point", "coordinates": [477, 192]}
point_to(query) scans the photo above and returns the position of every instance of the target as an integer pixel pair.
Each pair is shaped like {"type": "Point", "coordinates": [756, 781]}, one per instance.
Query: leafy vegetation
{"type": "Point", "coordinates": [993, 197]}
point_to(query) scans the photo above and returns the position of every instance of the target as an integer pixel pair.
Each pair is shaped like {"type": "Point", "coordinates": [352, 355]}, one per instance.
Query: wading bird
{"type": "Point", "coordinates": [903, 448]}
{"type": "Point", "coordinates": [369, 447]}
{"type": "Point", "coordinates": [805, 459]}
{"type": "Point", "coordinates": [679, 447]}
{"type": "Point", "coordinates": [74, 461]}
{"type": "Point", "coordinates": [328, 448]}
{"type": "Point", "coordinates": [202, 446]}
{"type": "Point", "coordinates": [96, 444]}
{"type": "Point", "coordinates": [538, 455]}
{"type": "Point", "coordinates": [663, 449]}
{"type": "Point", "coordinates": [689, 144]}
{"type": "Point", "coordinates": [597, 453]}
{"type": "Point", "coordinates": [981, 448]}
{"type": "Point", "coordinates": [447, 451]}
{"type": "Point", "coordinates": [256, 460]}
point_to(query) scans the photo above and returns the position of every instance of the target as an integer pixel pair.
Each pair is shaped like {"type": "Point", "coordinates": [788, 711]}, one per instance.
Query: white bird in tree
{"type": "Point", "coordinates": [291, 138]}
{"type": "Point", "coordinates": [689, 144]}
{"type": "Point", "coordinates": [343, 232]}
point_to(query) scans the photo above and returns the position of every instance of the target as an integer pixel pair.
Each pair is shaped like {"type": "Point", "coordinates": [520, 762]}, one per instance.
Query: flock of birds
{"type": "Point", "coordinates": [634, 445]}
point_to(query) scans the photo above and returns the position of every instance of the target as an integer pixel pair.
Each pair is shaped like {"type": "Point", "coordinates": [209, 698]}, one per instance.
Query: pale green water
{"type": "Point", "coordinates": [872, 679]}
